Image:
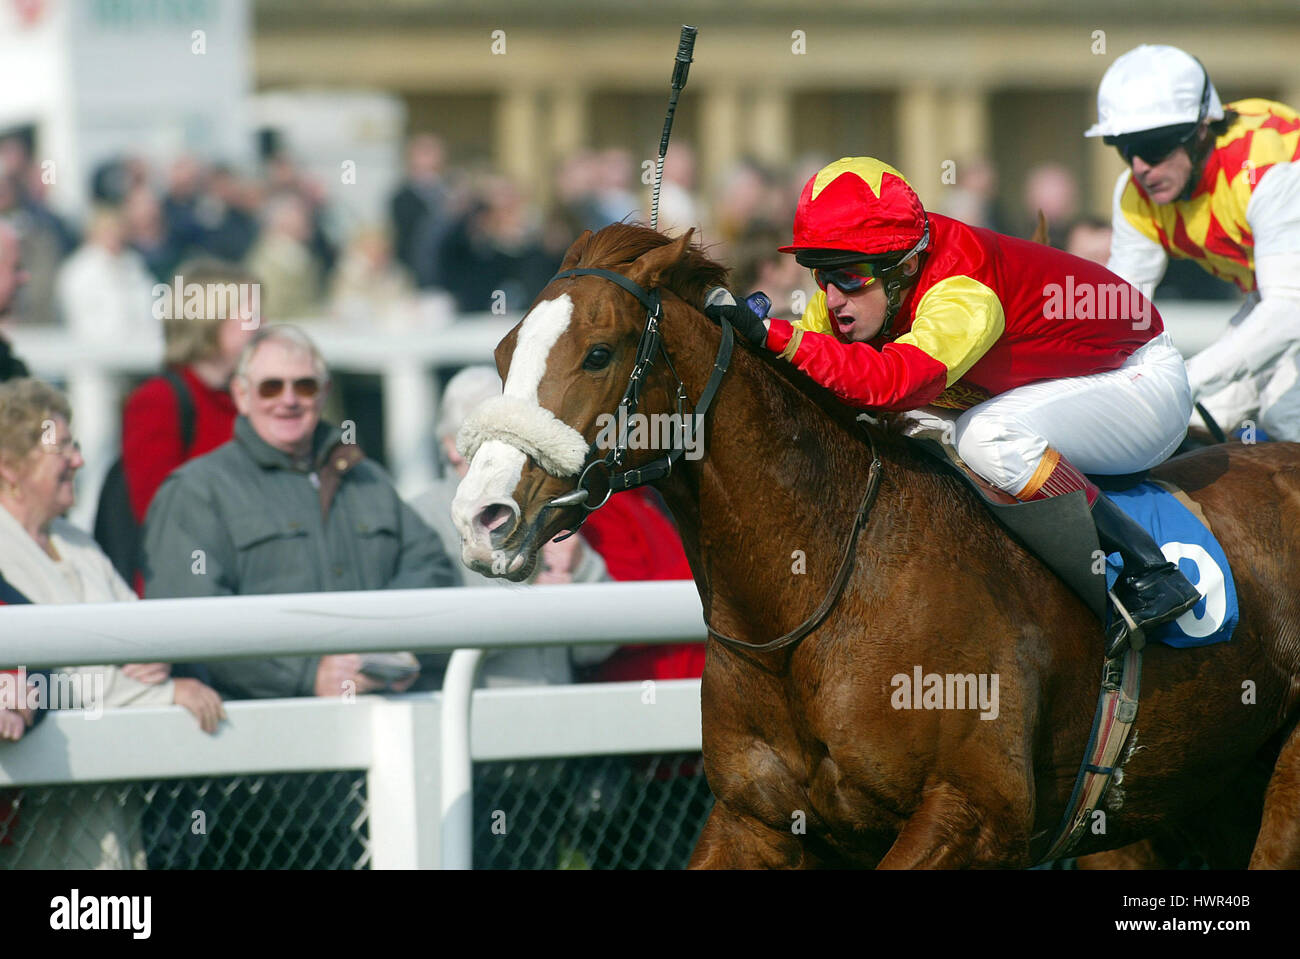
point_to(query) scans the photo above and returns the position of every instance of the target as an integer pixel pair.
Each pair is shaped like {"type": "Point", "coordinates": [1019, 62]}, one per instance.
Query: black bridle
{"type": "Point", "coordinates": [651, 342]}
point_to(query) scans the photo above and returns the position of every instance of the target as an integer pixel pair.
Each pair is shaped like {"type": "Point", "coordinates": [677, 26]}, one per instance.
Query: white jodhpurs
{"type": "Point", "coordinates": [1123, 421]}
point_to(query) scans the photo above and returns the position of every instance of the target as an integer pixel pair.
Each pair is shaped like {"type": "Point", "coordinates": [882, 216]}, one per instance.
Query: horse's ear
{"type": "Point", "coordinates": [575, 252]}
{"type": "Point", "coordinates": [650, 267]}
{"type": "Point", "coordinates": [1040, 231]}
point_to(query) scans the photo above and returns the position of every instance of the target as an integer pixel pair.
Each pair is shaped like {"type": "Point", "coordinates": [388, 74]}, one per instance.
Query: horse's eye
{"type": "Point", "coordinates": [597, 359]}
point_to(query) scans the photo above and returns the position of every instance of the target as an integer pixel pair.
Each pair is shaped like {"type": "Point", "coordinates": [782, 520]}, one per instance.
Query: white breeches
{"type": "Point", "coordinates": [1123, 421]}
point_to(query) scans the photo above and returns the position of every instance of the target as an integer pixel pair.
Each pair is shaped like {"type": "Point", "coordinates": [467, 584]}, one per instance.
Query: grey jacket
{"type": "Point", "coordinates": [265, 524]}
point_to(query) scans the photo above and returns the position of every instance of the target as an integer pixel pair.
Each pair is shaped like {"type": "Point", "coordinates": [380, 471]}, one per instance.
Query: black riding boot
{"type": "Point", "coordinates": [1152, 589]}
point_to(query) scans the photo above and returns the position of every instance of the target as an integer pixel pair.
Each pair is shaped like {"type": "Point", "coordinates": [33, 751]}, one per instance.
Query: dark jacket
{"type": "Point", "coordinates": [10, 366]}
{"type": "Point", "coordinates": [265, 524]}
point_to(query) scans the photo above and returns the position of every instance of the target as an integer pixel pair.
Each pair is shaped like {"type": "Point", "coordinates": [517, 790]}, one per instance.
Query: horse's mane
{"type": "Point", "coordinates": [619, 244]}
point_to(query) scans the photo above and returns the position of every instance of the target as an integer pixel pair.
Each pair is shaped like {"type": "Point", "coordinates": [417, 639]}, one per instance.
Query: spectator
{"type": "Point", "coordinates": [758, 267]}
{"type": "Point", "coordinates": [287, 506]}
{"type": "Point", "coordinates": [146, 233]}
{"type": "Point", "coordinates": [185, 189]}
{"type": "Point", "coordinates": [48, 560]}
{"type": "Point", "coordinates": [492, 259]}
{"type": "Point", "coordinates": [284, 175]}
{"type": "Point", "coordinates": [12, 276]}
{"type": "Point", "coordinates": [571, 561]}
{"type": "Point", "coordinates": [1089, 237]}
{"type": "Point", "coordinates": [226, 214]}
{"type": "Point", "coordinates": [42, 251]}
{"type": "Point", "coordinates": [747, 201]}
{"type": "Point", "coordinates": [1054, 190]}
{"type": "Point", "coordinates": [105, 289]}
{"type": "Point", "coordinates": [973, 198]}
{"type": "Point", "coordinates": [420, 209]}
{"type": "Point", "coordinates": [283, 259]}
{"type": "Point", "coordinates": [612, 197]}
{"type": "Point", "coordinates": [16, 716]}
{"type": "Point", "coordinates": [369, 288]}
{"type": "Point", "coordinates": [203, 351]}
{"type": "Point", "coordinates": [678, 209]}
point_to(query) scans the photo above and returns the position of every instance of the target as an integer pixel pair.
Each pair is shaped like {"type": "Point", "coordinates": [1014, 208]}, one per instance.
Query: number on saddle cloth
{"type": "Point", "coordinates": [1187, 542]}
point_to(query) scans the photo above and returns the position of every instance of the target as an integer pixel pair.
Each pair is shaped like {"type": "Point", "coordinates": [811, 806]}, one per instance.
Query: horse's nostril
{"type": "Point", "coordinates": [496, 520]}
{"type": "Point", "coordinates": [493, 516]}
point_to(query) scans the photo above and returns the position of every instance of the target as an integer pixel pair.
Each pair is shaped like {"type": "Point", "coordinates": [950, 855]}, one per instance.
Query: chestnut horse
{"type": "Point", "coordinates": [810, 751]}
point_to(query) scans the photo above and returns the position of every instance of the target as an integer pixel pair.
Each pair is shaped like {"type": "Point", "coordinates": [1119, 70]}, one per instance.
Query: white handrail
{"type": "Point", "coordinates": [247, 627]}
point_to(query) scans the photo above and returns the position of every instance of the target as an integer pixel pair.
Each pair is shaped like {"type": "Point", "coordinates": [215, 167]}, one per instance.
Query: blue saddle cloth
{"type": "Point", "coordinates": [1184, 540]}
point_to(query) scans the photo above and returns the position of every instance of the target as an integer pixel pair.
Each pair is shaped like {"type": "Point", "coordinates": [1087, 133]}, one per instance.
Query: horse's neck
{"type": "Point", "coordinates": [770, 504]}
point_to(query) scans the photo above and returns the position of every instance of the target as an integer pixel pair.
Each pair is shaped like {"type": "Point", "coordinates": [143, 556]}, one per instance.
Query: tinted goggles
{"type": "Point", "coordinates": [1153, 150]}
{"type": "Point", "coordinates": [847, 279]}
{"type": "Point", "coordinates": [305, 388]}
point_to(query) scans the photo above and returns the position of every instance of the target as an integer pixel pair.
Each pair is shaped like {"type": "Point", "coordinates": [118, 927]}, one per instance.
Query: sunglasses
{"type": "Point", "coordinates": [305, 388]}
{"type": "Point", "coordinates": [846, 279]}
{"type": "Point", "coordinates": [1153, 149]}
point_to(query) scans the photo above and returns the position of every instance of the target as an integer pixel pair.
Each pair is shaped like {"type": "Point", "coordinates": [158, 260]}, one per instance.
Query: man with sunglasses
{"type": "Point", "coordinates": [1220, 186]}
{"type": "Point", "coordinates": [918, 310]}
{"type": "Point", "coordinates": [290, 505]}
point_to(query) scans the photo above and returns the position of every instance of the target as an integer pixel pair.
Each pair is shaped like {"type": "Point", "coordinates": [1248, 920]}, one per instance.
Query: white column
{"type": "Point", "coordinates": [920, 152]}
{"type": "Point", "coordinates": [403, 783]}
{"type": "Point", "coordinates": [518, 146]}
{"type": "Point", "coordinates": [771, 134]}
{"type": "Point", "coordinates": [410, 400]}
{"type": "Point", "coordinates": [719, 145]}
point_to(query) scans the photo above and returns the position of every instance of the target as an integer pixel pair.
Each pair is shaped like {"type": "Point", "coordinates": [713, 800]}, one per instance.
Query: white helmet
{"type": "Point", "coordinates": [1151, 87]}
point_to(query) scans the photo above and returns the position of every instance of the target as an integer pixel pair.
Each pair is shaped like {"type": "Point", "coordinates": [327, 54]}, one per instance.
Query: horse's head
{"type": "Point", "coordinates": [565, 368]}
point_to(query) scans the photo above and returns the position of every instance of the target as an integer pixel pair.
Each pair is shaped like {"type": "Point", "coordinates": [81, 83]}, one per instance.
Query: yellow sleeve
{"type": "Point", "coordinates": [957, 321]}
{"type": "Point", "coordinates": [816, 318]}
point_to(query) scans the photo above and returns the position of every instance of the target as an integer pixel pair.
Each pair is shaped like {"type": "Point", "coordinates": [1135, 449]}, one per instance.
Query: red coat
{"type": "Point", "coordinates": [151, 433]}
{"type": "Point", "coordinates": [639, 542]}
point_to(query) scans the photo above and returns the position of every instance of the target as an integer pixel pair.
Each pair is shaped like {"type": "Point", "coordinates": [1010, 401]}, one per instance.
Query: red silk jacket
{"type": "Point", "coordinates": [987, 313]}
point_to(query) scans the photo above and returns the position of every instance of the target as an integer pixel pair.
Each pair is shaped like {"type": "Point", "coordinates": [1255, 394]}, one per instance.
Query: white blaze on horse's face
{"type": "Point", "coordinates": [484, 501]}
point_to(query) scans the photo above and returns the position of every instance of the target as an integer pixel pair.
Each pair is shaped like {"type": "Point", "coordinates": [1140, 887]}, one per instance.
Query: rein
{"type": "Point", "coordinates": [651, 342]}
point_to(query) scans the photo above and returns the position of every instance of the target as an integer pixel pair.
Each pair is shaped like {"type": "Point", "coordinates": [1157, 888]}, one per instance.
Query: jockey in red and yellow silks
{"type": "Point", "coordinates": [987, 313]}
{"type": "Point", "coordinates": [1039, 365]}
{"type": "Point", "coordinates": [1220, 186]}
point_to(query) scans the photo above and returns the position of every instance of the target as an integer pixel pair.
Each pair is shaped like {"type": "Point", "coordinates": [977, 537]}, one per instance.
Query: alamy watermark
{"type": "Point", "coordinates": [1092, 301]}
{"type": "Point", "coordinates": [653, 431]}
{"type": "Point", "coordinates": [923, 690]}
{"type": "Point", "coordinates": [199, 301]}
{"type": "Point", "coordinates": [82, 690]}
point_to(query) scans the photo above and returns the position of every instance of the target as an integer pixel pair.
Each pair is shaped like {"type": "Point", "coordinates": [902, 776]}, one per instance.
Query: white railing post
{"type": "Point", "coordinates": [457, 760]}
{"type": "Point", "coordinates": [402, 783]}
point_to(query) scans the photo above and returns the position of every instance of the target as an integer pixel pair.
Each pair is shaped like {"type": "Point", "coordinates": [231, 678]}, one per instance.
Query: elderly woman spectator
{"type": "Point", "coordinates": [48, 560]}
{"type": "Point", "coordinates": [200, 356]}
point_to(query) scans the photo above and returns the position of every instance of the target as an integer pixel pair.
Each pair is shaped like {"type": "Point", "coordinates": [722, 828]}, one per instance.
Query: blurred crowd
{"type": "Point", "coordinates": [466, 230]}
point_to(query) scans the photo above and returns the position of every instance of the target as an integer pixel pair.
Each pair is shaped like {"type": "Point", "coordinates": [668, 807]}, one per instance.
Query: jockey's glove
{"type": "Point", "coordinates": [720, 305]}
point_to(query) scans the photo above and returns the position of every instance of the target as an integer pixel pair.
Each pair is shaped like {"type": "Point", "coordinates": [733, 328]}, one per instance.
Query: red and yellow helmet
{"type": "Point", "coordinates": [859, 205]}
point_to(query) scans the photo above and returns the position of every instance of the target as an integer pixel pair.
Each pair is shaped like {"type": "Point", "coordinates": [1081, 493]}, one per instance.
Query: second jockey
{"type": "Point", "coordinates": [1047, 366]}
{"type": "Point", "coordinates": [1219, 185]}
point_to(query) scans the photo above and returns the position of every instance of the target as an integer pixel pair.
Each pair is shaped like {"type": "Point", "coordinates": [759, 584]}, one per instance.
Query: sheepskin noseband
{"type": "Point", "coordinates": [556, 446]}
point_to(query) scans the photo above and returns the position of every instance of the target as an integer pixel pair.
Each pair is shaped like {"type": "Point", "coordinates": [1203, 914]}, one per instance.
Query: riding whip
{"type": "Point", "coordinates": [681, 67]}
